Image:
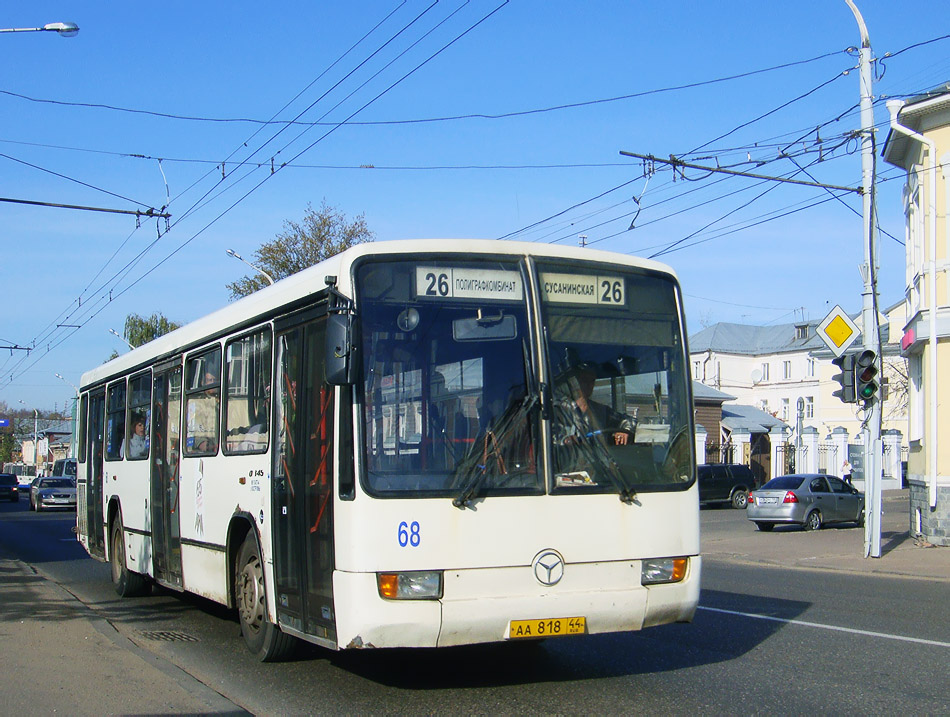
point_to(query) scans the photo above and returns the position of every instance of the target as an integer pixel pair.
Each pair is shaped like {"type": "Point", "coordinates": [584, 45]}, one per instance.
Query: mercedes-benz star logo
{"type": "Point", "coordinates": [548, 568]}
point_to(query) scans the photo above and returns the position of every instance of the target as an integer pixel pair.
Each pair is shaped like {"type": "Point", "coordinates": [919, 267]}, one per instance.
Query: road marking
{"type": "Point", "coordinates": [803, 623]}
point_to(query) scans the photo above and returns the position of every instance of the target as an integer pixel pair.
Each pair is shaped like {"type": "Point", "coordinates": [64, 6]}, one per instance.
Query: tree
{"type": "Point", "coordinates": [321, 234]}
{"type": "Point", "coordinates": [139, 330]}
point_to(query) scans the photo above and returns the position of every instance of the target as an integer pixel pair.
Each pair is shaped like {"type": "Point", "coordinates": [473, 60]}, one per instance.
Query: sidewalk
{"type": "Point", "coordinates": [58, 656]}
{"type": "Point", "coordinates": [839, 547]}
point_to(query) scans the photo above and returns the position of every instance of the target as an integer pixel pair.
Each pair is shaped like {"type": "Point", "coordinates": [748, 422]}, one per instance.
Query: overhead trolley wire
{"type": "Point", "coordinates": [448, 118]}
{"type": "Point", "coordinates": [241, 199]}
{"type": "Point", "coordinates": [124, 271]}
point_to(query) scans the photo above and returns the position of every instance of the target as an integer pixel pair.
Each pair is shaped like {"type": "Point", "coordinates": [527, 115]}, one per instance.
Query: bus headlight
{"type": "Point", "coordinates": [417, 585]}
{"type": "Point", "coordinates": [663, 570]}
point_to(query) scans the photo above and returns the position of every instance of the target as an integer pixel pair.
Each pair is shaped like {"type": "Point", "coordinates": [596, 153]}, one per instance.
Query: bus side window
{"type": "Point", "coordinates": [247, 378]}
{"type": "Point", "coordinates": [115, 421]}
{"type": "Point", "coordinates": [139, 416]}
{"type": "Point", "coordinates": [203, 391]}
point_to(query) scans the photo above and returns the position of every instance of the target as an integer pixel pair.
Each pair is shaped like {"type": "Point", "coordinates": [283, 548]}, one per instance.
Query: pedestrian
{"type": "Point", "coordinates": [846, 470]}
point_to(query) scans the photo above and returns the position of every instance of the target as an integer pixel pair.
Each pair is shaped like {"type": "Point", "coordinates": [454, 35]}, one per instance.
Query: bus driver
{"type": "Point", "coordinates": [583, 417]}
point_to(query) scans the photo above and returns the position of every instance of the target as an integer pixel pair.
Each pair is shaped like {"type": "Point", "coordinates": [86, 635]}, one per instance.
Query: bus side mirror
{"type": "Point", "coordinates": [341, 353]}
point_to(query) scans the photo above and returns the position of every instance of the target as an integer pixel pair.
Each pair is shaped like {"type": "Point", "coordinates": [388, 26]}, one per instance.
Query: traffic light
{"type": "Point", "coordinates": [845, 378]}
{"type": "Point", "coordinates": [865, 375]}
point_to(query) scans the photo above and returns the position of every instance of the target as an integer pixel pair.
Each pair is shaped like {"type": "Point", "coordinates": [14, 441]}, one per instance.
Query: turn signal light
{"type": "Point", "coordinates": [663, 570]}
{"type": "Point", "coordinates": [790, 497]}
{"type": "Point", "coordinates": [417, 585]}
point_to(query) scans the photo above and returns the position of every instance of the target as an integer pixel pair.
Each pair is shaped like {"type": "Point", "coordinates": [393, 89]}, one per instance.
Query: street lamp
{"type": "Point", "coordinates": [116, 333]}
{"type": "Point", "coordinates": [36, 447]}
{"type": "Point", "coordinates": [72, 439]}
{"type": "Point", "coordinates": [231, 252]}
{"type": "Point", "coordinates": [64, 29]}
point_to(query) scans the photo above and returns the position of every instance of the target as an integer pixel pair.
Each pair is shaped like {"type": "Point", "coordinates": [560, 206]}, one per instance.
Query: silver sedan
{"type": "Point", "coordinates": [810, 500]}
{"type": "Point", "coordinates": [48, 493]}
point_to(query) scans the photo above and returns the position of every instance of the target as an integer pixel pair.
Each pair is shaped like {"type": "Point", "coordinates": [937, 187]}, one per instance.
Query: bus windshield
{"type": "Point", "coordinates": [446, 396]}
{"type": "Point", "coordinates": [452, 390]}
{"type": "Point", "coordinates": [618, 368]}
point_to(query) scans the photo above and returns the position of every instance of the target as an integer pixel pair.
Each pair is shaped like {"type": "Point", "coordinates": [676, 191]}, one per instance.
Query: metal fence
{"type": "Point", "coordinates": [720, 453]}
{"type": "Point", "coordinates": [785, 453]}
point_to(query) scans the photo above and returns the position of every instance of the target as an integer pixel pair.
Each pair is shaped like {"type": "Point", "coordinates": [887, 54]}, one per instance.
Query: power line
{"type": "Point", "coordinates": [674, 162]}
{"type": "Point", "coordinates": [113, 296]}
{"type": "Point", "coordinates": [766, 114]}
{"type": "Point", "coordinates": [70, 179]}
{"type": "Point", "coordinates": [129, 266]}
{"type": "Point", "coordinates": [448, 118]}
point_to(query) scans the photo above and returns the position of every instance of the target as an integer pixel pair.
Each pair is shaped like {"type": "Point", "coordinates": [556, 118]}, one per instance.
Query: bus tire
{"type": "Point", "coordinates": [263, 638]}
{"type": "Point", "coordinates": [126, 582]}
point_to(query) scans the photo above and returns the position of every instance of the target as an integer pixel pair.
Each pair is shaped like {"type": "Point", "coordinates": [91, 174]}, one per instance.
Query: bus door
{"type": "Point", "coordinates": [94, 469]}
{"type": "Point", "coordinates": [166, 433]}
{"type": "Point", "coordinates": [302, 494]}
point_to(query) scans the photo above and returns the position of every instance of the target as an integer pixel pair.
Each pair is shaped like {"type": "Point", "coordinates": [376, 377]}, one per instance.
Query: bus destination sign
{"type": "Point", "coordinates": [468, 283]}
{"type": "Point", "coordinates": [583, 289]}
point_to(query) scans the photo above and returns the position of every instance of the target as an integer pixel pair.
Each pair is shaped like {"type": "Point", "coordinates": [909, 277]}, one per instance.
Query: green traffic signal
{"type": "Point", "coordinates": [865, 375]}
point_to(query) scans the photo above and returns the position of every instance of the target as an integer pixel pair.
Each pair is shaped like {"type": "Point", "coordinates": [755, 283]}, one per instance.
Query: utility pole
{"type": "Point", "coordinates": [873, 460]}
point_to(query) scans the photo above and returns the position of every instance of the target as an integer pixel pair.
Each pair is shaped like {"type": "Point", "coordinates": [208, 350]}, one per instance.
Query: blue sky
{"type": "Point", "coordinates": [69, 136]}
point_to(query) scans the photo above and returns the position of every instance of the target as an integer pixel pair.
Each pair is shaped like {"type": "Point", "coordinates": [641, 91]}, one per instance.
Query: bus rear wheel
{"type": "Point", "coordinates": [126, 582]}
{"type": "Point", "coordinates": [264, 639]}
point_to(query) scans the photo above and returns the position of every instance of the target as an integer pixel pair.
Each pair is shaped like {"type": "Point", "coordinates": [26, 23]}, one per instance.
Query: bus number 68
{"type": "Point", "coordinates": [408, 534]}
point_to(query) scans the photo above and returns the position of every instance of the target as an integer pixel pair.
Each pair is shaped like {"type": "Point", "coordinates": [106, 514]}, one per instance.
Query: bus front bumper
{"type": "Point", "coordinates": [479, 605]}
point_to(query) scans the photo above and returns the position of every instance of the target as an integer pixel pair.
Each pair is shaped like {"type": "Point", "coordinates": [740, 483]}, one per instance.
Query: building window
{"type": "Point", "coordinates": [809, 406]}
{"type": "Point", "coordinates": [696, 367]}
{"type": "Point", "coordinates": [765, 372]}
{"type": "Point", "coordinates": [811, 368]}
{"type": "Point", "coordinates": [786, 370]}
{"type": "Point", "coordinates": [784, 409]}
{"type": "Point", "coordinates": [801, 332]}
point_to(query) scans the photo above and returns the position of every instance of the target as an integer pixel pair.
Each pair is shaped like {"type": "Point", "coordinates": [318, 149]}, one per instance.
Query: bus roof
{"type": "Point", "coordinates": [311, 281]}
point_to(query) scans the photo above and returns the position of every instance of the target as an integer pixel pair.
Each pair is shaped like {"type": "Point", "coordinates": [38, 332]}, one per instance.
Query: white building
{"type": "Point", "coordinates": [781, 369]}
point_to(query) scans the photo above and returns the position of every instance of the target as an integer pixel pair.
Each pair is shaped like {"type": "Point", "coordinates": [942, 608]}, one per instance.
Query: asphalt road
{"type": "Point", "coordinates": [766, 639]}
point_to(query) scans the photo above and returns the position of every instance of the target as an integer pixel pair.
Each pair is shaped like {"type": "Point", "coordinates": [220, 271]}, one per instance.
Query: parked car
{"type": "Point", "coordinates": [810, 500]}
{"type": "Point", "coordinates": [52, 493]}
{"type": "Point", "coordinates": [9, 489]}
{"type": "Point", "coordinates": [725, 483]}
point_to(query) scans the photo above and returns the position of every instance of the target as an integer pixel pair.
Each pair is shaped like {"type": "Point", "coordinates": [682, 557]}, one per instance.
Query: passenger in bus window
{"type": "Point", "coordinates": [138, 442]}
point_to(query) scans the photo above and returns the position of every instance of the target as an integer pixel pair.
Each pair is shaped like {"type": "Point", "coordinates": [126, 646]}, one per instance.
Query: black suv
{"type": "Point", "coordinates": [725, 483]}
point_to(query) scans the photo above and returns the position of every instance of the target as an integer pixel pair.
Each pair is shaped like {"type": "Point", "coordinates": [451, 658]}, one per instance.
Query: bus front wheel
{"type": "Point", "coordinates": [264, 639]}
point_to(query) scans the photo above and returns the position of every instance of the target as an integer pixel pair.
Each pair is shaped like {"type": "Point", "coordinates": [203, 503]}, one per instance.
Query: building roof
{"type": "Point", "coordinates": [747, 418]}
{"type": "Point", "coordinates": [755, 340]}
{"type": "Point", "coordinates": [759, 340]}
{"type": "Point", "coordinates": [912, 115]}
{"type": "Point", "coordinates": [703, 392]}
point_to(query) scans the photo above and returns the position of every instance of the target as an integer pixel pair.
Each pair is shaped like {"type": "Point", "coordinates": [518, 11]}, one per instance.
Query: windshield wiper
{"type": "Point", "coordinates": [600, 455]}
{"type": "Point", "coordinates": [476, 473]}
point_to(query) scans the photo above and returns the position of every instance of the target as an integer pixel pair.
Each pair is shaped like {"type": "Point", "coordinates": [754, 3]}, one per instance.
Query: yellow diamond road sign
{"type": "Point", "coordinates": [838, 331]}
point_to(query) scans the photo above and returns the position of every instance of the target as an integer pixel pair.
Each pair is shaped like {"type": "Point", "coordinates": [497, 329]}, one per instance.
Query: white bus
{"type": "Point", "coordinates": [411, 444]}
